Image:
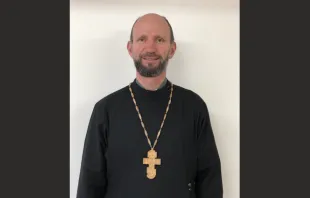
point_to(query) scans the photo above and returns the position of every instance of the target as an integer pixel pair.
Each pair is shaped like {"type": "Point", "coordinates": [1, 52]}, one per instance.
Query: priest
{"type": "Point", "coordinates": [151, 138]}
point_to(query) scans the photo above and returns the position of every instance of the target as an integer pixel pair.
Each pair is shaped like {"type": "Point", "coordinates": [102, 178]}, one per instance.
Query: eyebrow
{"type": "Point", "coordinates": [156, 36]}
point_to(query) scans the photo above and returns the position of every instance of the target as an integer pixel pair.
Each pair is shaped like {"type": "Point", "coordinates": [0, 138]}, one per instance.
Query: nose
{"type": "Point", "coordinates": [150, 45]}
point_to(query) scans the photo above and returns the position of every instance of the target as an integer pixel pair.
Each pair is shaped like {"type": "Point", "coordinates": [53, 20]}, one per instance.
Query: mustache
{"type": "Point", "coordinates": [150, 54]}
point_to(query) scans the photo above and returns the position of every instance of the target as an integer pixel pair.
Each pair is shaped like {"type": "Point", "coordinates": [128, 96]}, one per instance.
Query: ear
{"type": "Point", "coordinates": [129, 48]}
{"type": "Point", "coordinates": [172, 49]}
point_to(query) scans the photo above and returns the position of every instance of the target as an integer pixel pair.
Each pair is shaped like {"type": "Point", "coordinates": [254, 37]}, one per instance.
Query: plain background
{"type": "Point", "coordinates": [206, 61]}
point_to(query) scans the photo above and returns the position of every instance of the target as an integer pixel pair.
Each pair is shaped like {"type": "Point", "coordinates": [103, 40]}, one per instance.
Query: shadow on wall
{"type": "Point", "coordinates": [119, 62]}
{"type": "Point", "coordinates": [189, 65]}
{"type": "Point", "coordinates": [176, 71]}
{"type": "Point", "coordinates": [107, 60]}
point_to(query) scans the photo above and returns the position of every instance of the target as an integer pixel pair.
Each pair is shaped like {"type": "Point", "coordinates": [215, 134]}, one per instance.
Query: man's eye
{"type": "Point", "coordinates": [160, 40]}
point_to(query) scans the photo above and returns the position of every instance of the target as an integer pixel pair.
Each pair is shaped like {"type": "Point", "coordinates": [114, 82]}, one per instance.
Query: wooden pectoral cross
{"type": "Point", "coordinates": [151, 160]}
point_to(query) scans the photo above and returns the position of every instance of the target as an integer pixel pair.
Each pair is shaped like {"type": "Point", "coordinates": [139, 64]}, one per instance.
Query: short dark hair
{"type": "Point", "coordinates": [171, 31]}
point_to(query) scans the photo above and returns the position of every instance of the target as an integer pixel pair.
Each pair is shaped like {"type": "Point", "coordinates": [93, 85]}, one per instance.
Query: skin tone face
{"type": "Point", "coordinates": [151, 49]}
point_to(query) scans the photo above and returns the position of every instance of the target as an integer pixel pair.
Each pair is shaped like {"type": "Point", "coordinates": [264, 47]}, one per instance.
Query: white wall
{"type": "Point", "coordinates": [206, 61]}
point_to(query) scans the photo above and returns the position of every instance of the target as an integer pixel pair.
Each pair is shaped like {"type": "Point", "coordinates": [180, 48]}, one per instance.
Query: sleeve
{"type": "Point", "coordinates": [92, 179]}
{"type": "Point", "coordinates": [208, 176]}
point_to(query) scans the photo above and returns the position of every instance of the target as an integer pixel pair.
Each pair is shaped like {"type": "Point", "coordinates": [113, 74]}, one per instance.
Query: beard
{"type": "Point", "coordinates": [150, 70]}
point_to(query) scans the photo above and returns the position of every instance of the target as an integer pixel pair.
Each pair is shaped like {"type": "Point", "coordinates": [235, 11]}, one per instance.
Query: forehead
{"type": "Point", "coordinates": [152, 25]}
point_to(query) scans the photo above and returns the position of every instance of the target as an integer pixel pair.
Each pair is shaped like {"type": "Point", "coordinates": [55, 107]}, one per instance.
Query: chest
{"type": "Point", "coordinates": [176, 142]}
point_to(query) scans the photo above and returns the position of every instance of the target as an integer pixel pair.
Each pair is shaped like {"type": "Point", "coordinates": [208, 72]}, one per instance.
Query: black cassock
{"type": "Point", "coordinates": [115, 145]}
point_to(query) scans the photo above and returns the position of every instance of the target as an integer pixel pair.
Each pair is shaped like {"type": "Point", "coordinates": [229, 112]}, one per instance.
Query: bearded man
{"type": "Point", "coordinates": [151, 138]}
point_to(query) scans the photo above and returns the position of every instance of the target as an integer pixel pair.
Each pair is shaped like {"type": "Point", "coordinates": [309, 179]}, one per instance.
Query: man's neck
{"type": "Point", "coordinates": [153, 83]}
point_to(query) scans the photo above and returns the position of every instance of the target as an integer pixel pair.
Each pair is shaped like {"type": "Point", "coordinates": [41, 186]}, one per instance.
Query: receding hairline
{"type": "Point", "coordinates": [167, 21]}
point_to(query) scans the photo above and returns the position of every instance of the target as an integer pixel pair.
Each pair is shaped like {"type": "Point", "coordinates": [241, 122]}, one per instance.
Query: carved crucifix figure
{"type": "Point", "coordinates": [151, 160]}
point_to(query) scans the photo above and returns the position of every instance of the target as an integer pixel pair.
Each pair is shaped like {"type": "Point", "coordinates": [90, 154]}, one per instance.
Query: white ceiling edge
{"type": "Point", "coordinates": [199, 4]}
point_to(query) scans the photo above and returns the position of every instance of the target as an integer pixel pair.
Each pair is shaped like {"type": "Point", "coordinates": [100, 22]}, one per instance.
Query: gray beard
{"type": "Point", "coordinates": [151, 71]}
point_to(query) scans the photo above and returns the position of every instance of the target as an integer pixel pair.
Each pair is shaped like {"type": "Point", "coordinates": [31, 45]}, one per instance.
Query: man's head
{"type": "Point", "coordinates": [151, 44]}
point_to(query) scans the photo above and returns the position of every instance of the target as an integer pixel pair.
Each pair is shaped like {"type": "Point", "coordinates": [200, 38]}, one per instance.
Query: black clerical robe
{"type": "Point", "coordinates": [115, 145]}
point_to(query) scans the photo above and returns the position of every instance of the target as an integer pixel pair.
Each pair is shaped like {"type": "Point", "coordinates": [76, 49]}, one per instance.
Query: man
{"type": "Point", "coordinates": [150, 139]}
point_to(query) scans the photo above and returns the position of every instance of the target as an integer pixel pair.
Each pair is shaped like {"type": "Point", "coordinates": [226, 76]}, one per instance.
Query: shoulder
{"type": "Point", "coordinates": [190, 97]}
{"type": "Point", "coordinates": [195, 104]}
{"type": "Point", "coordinates": [111, 99]}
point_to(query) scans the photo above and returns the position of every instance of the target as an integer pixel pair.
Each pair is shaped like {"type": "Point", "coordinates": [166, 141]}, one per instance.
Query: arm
{"type": "Point", "coordinates": [92, 181]}
{"type": "Point", "coordinates": [209, 177]}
